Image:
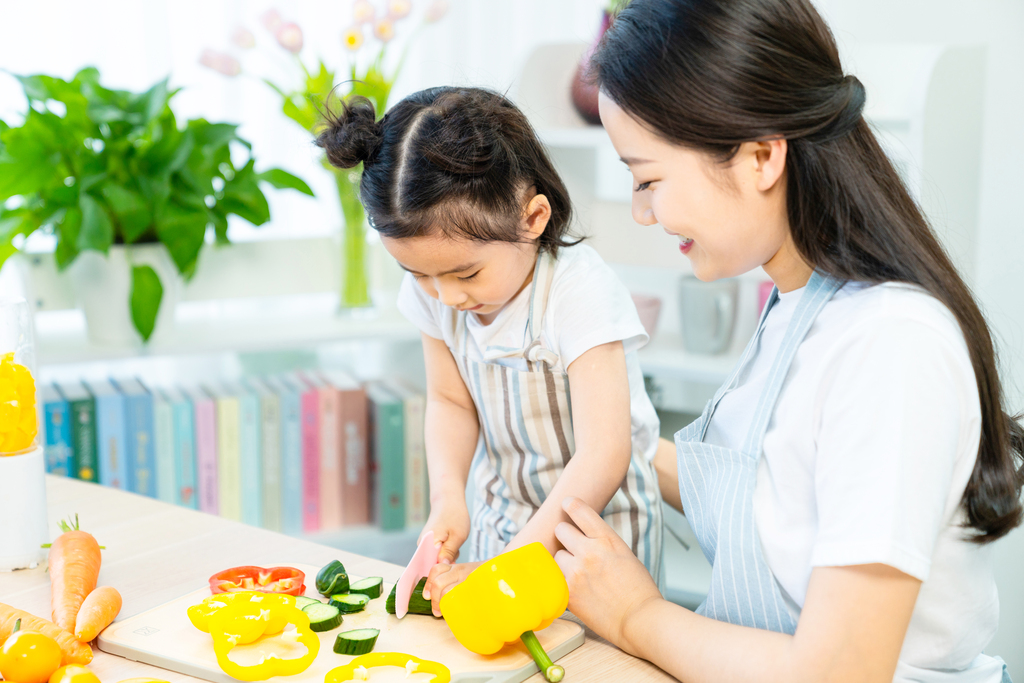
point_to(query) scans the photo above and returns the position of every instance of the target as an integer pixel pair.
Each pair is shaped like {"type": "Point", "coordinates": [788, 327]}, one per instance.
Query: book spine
{"type": "Point", "coordinates": [185, 454]}
{"type": "Point", "coordinates": [58, 451]}
{"type": "Point", "coordinates": [206, 455]}
{"type": "Point", "coordinates": [163, 433]}
{"type": "Point", "coordinates": [110, 441]}
{"type": "Point", "coordinates": [355, 482]}
{"type": "Point", "coordinates": [270, 440]}
{"type": "Point", "coordinates": [389, 446]}
{"type": "Point", "coordinates": [415, 462]}
{"type": "Point", "coordinates": [229, 459]}
{"type": "Point", "coordinates": [291, 463]}
{"type": "Point", "coordinates": [83, 439]}
{"type": "Point", "coordinates": [330, 460]}
{"type": "Point", "coordinates": [310, 460]}
{"type": "Point", "coordinates": [250, 459]}
{"type": "Point", "coordinates": [140, 451]}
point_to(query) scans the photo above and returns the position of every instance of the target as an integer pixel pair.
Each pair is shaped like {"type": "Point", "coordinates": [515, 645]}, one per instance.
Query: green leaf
{"type": "Point", "coordinates": [6, 251]}
{"type": "Point", "coordinates": [243, 197]}
{"type": "Point", "coordinates": [145, 299]}
{"type": "Point", "coordinates": [283, 180]}
{"type": "Point", "coordinates": [97, 230]}
{"type": "Point", "coordinates": [320, 85]}
{"type": "Point", "coordinates": [212, 134]}
{"type": "Point", "coordinates": [305, 116]}
{"type": "Point", "coordinates": [68, 228]}
{"type": "Point", "coordinates": [130, 210]}
{"type": "Point", "coordinates": [152, 102]}
{"type": "Point", "coordinates": [182, 231]}
{"type": "Point", "coordinates": [220, 225]}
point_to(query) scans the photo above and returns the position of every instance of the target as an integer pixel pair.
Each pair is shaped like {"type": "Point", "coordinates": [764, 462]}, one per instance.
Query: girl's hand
{"type": "Point", "coordinates": [444, 577]}
{"type": "Point", "coordinates": [607, 583]}
{"type": "Point", "coordinates": [450, 524]}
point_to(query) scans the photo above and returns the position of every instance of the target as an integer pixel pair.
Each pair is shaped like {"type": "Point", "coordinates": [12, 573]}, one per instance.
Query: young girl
{"type": "Point", "coordinates": [530, 340]}
{"type": "Point", "coordinates": [847, 480]}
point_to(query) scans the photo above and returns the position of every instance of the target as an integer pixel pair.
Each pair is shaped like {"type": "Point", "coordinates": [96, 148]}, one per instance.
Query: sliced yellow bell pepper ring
{"type": "Point", "coordinates": [506, 599]}
{"type": "Point", "coordinates": [357, 669]}
{"type": "Point", "coordinates": [200, 614]}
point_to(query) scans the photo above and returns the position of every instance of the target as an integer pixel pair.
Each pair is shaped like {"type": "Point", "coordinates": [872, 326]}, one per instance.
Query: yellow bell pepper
{"type": "Point", "coordinates": [356, 670]}
{"type": "Point", "coordinates": [200, 614]}
{"type": "Point", "coordinates": [240, 621]}
{"type": "Point", "coordinates": [506, 599]}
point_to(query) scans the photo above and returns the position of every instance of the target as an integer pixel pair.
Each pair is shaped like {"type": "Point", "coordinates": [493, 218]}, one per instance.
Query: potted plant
{"type": "Point", "coordinates": [111, 172]}
{"type": "Point", "coordinates": [370, 72]}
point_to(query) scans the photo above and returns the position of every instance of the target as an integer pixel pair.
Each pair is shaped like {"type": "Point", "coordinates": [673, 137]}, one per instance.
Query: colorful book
{"type": "Point", "coordinates": [330, 453]}
{"type": "Point", "coordinates": [387, 470]}
{"type": "Point", "coordinates": [290, 400]}
{"type": "Point", "coordinates": [138, 426]}
{"type": "Point", "coordinates": [229, 453]}
{"type": "Point", "coordinates": [163, 435]}
{"type": "Point", "coordinates": [110, 434]}
{"type": "Point", "coordinates": [58, 451]}
{"type": "Point", "coordinates": [309, 391]}
{"type": "Point", "coordinates": [82, 410]}
{"type": "Point", "coordinates": [250, 456]}
{"type": "Point", "coordinates": [270, 451]}
{"type": "Point", "coordinates": [183, 423]}
{"type": "Point", "coordinates": [205, 425]}
{"type": "Point", "coordinates": [352, 431]}
{"type": "Point", "coordinates": [416, 485]}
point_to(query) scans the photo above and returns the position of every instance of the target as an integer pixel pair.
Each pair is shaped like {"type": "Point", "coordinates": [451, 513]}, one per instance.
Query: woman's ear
{"type": "Point", "coordinates": [769, 162]}
{"type": "Point", "coordinates": [537, 215]}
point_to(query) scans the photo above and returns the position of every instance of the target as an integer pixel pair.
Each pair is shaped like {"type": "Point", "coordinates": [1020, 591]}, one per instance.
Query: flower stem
{"type": "Point", "coordinates": [552, 672]}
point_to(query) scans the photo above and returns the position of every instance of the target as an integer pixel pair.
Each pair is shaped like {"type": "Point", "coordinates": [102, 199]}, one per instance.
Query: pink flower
{"type": "Point", "coordinates": [353, 38]}
{"type": "Point", "coordinates": [272, 20]}
{"type": "Point", "coordinates": [436, 11]}
{"type": "Point", "coordinates": [289, 36]}
{"type": "Point", "coordinates": [363, 11]}
{"type": "Point", "coordinates": [384, 30]}
{"type": "Point", "coordinates": [220, 62]}
{"type": "Point", "coordinates": [399, 9]}
{"type": "Point", "coordinates": [243, 38]}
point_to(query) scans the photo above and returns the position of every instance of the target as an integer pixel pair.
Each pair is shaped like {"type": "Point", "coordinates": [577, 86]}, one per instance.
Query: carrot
{"type": "Point", "coordinates": [74, 568]}
{"type": "Point", "coordinates": [73, 651]}
{"type": "Point", "coordinates": [97, 612]}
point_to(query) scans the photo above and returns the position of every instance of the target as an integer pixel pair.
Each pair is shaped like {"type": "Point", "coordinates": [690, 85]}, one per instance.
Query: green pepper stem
{"type": "Point", "coordinates": [552, 672]}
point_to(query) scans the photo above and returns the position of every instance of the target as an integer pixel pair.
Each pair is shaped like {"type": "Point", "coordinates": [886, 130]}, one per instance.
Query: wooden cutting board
{"type": "Point", "coordinates": [164, 637]}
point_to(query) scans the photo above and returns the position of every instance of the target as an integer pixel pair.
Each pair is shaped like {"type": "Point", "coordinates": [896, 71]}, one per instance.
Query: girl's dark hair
{"type": "Point", "coordinates": [456, 160]}
{"type": "Point", "coordinates": [711, 74]}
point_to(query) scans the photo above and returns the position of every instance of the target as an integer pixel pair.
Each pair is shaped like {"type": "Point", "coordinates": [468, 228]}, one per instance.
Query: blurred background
{"type": "Point", "coordinates": [301, 292]}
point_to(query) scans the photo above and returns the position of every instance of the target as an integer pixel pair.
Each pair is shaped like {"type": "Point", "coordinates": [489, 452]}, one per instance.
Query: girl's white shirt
{"type": "Point", "coordinates": [588, 306]}
{"type": "Point", "coordinates": [866, 458]}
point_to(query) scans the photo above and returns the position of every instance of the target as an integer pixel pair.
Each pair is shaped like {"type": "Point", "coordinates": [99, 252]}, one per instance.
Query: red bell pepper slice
{"type": "Point", "coordinates": [287, 580]}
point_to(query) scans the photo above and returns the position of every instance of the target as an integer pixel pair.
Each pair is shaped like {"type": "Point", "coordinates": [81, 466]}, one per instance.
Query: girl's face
{"type": "Point", "coordinates": [470, 275]}
{"type": "Point", "coordinates": [729, 218]}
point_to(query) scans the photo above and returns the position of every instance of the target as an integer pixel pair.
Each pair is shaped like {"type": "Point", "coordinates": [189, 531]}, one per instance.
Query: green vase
{"type": "Point", "coordinates": [355, 291]}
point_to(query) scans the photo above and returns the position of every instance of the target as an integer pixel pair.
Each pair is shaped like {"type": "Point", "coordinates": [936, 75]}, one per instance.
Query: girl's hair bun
{"type": "Point", "coordinates": [352, 135]}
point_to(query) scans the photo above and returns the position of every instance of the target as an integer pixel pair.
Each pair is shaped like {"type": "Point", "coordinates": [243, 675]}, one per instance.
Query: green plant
{"type": "Point", "coordinates": [97, 167]}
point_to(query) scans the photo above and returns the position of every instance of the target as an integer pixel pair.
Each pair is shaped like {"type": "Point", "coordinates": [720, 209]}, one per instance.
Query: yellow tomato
{"type": "Point", "coordinates": [29, 657]}
{"type": "Point", "coordinates": [73, 673]}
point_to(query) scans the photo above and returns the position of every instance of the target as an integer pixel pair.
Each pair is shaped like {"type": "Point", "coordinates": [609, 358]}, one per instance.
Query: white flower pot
{"type": "Point", "coordinates": [103, 286]}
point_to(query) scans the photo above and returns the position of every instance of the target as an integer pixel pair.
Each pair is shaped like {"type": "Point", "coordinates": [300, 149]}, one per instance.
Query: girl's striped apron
{"type": "Point", "coordinates": [717, 489]}
{"type": "Point", "coordinates": [527, 439]}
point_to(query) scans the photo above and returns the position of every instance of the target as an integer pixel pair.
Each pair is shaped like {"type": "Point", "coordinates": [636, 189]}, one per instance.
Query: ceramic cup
{"type": "Point", "coordinates": [707, 314]}
{"type": "Point", "coordinates": [22, 509]}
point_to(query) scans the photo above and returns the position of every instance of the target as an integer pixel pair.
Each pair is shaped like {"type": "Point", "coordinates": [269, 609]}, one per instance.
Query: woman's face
{"type": "Point", "coordinates": [730, 217]}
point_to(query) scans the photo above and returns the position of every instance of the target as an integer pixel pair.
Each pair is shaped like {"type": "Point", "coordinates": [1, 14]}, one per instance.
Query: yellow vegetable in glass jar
{"type": "Point", "coordinates": [18, 425]}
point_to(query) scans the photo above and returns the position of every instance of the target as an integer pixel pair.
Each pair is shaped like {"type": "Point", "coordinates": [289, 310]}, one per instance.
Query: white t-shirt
{"type": "Point", "coordinates": [866, 458]}
{"type": "Point", "coordinates": [588, 306]}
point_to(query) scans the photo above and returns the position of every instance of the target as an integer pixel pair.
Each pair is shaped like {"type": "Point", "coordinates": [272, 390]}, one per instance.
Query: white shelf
{"type": "Point", "coordinates": [666, 359]}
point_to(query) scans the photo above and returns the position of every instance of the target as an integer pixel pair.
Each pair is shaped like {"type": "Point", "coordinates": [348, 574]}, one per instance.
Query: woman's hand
{"type": "Point", "coordinates": [450, 523]}
{"type": "Point", "coordinates": [607, 583]}
{"type": "Point", "coordinates": [443, 577]}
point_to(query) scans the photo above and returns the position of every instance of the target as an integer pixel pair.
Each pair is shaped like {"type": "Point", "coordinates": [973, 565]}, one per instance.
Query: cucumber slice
{"type": "Point", "coordinates": [357, 642]}
{"type": "Point", "coordinates": [332, 579]}
{"type": "Point", "coordinates": [350, 602]}
{"type": "Point", "coordinates": [370, 587]}
{"type": "Point", "coordinates": [322, 617]}
{"type": "Point", "coordinates": [417, 605]}
{"type": "Point", "coordinates": [301, 601]}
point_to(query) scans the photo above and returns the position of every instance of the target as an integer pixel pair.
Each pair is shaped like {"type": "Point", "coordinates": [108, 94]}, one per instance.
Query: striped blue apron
{"type": "Point", "coordinates": [527, 440]}
{"type": "Point", "coordinates": [716, 486]}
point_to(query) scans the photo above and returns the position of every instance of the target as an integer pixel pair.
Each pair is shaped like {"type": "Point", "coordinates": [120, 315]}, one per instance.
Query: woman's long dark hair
{"type": "Point", "coordinates": [455, 160]}
{"type": "Point", "coordinates": [711, 74]}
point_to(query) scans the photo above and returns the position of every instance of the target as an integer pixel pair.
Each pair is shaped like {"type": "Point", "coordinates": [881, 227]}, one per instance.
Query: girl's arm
{"type": "Point", "coordinates": [851, 627]}
{"type": "Point", "coordinates": [599, 385]}
{"type": "Point", "coordinates": [451, 433]}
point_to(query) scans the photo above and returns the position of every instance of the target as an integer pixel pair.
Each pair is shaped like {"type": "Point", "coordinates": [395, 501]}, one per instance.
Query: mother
{"type": "Point", "coordinates": [846, 481]}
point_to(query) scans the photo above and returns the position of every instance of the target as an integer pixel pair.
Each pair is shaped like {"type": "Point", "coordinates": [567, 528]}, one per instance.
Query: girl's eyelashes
{"type": "Point", "coordinates": [642, 186]}
{"type": "Point", "coordinates": [469, 277]}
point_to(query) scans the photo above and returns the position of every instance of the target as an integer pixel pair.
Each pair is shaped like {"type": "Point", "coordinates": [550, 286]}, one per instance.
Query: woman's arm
{"type": "Point", "coordinates": [667, 467]}
{"type": "Point", "coordinates": [599, 385]}
{"type": "Point", "coordinates": [851, 627]}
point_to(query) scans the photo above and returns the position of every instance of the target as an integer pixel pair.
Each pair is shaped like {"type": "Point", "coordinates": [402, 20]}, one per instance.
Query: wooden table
{"type": "Point", "coordinates": [156, 552]}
